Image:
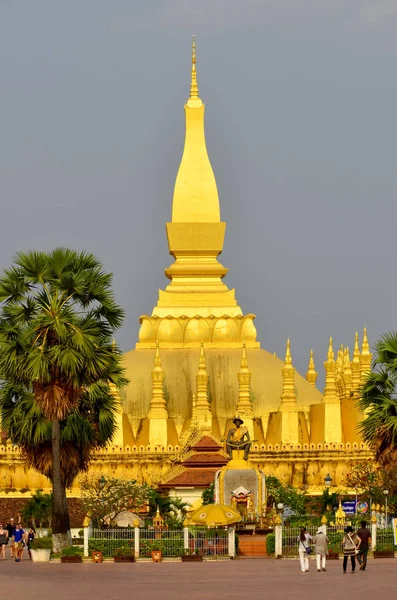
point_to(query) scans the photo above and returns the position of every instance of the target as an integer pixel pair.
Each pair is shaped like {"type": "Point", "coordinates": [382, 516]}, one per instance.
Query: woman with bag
{"type": "Point", "coordinates": [304, 549]}
{"type": "Point", "coordinates": [350, 543]}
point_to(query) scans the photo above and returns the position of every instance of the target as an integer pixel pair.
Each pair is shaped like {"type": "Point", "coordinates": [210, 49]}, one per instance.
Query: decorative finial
{"type": "Point", "coordinates": [157, 359]}
{"type": "Point", "coordinates": [202, 357]}
{"type": "Point", "coordinates": [114, 347]}
{"type": "Point", "coordinates": [288, 357]}
{"type": "Point", "coordinates": [330, 355]}
{"type": "Point", "coordinates": [365, 345]}
{"type": "Point", "coordinates": [356, 353]}
{"type": "Point", "coordinates": [244, 359]}
{"type": "Point", "coordinates": [311, 374]}
{"type": "Point", "coordinates": [194, 92]}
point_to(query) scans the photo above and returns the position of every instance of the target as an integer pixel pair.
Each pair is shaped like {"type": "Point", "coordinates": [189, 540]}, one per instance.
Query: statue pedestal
{"type": "Point", "coordinates": [238, 482]}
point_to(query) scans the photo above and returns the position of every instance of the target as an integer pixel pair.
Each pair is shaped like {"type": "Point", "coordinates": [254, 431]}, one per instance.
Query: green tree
{"type": "Point", "coordinates": [58, 316]}
{"type": "Point", "coordinates": [285, 494]}
{"type": "Point", "coordinates": [379, 402]}
{"type": "Point", "coordinates": [208, 495]}
{"type": "Point", "coordinates": [38, 509]}
{"type": "Point", "coordinates": [105, 498]}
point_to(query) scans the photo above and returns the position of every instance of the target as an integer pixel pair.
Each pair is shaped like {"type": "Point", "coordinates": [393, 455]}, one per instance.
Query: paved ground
{"type": "Point", "coordinates": [248, 579]}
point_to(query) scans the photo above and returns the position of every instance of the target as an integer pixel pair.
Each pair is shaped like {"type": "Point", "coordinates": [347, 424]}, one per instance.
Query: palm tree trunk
{"type": "Point", "coordinates": [61, 536]}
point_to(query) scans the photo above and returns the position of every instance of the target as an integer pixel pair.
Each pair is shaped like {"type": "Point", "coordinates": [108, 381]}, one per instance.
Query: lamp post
{"type": "Point", "coordinates": [328, 481]}
{"type": "Point", "coordinates": [386, 493]}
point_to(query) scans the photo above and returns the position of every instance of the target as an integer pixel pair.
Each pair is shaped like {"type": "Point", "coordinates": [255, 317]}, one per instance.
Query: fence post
{"type": "Point", "coordinates": [186, 538]}
{"type": "Point", "coordinates": [278, 531]}
{"type": "Point", "coordinates": [136, 541]}
{"type": "Point", "coordinates": [232, 542]}
{"type": "Point", "coordinates": [87, 533]}
{"type": "Point", "coordinates": [373, 532]}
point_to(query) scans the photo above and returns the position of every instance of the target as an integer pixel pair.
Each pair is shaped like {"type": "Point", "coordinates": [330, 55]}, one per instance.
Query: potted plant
{"type": "Point", "coordinates": [40, 549]}
{"type": "Point", "coordinates": [124, 554]}
{"type": "Point", "coordinates": [71, 554]}
{"type": "Point", "coordinates": [333, 554]}
{"type": "Point", "coordinates": [157, 555]}
{"type": "Point", "coordinates": [192, 556]}
{"type": "Point", "coordinates": [387, 551]}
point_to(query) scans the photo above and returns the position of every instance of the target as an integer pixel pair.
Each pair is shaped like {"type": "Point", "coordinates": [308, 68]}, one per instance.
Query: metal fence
{"type": "Point", "coordinates": [209, 542]}
{"type": "Point", "coordinates": [384, 539]}
{"type": "Point", "coordinates": [169, 541]}
{"type": "Point", "coordinates": [110, 540]}
{"type": "Point", "coordinates": [290, 537]}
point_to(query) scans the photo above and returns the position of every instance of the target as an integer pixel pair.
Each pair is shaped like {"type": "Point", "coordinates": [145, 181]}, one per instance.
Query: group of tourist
{"type": "Point", "coordinates": [16, 538]}
{"type": "Point", "coordinates": [353, 544]}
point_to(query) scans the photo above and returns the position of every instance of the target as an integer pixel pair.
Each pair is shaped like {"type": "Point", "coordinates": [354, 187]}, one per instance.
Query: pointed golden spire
{"type": "Point", "coordinates": [244, 405]}
{"type": "Point", "coordinates": [157, 359]}
{"type": "Point", "coordinates": [311, 373]}
{"type": "Point", "coordinates": [194, 92]}
{"type": "Point", "coordinates": [288, 357]}
{"type": "Point", "coordinates": [365, 358]}
{"type": "Point", "coordinates": [202, 363]}
{"type": "Point", "coordinates": [330, 355]}
{"type": "Point", "coordinates": [356, 382]}
{"type": "Point", "coordinates": [288, 397]}
{"type": "Point", "coordinates": [244, 360]}
{"type": "Point", "coordinates": [365, 351]}
{"type": "Point", "coordinates": [347, 372]}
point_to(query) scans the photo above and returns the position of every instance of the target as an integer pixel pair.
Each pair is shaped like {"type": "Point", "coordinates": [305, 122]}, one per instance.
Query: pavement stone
{"type": "Point", "coordinates": [213, 580]}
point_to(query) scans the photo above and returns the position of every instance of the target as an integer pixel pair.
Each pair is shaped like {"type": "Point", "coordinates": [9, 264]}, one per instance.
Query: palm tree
{"type": "Point", "coordinates": [57, 360]}
{"type": "Point", "coordinates": [37, 510]}
{"type": "Point", "coordinates": [379, 402]}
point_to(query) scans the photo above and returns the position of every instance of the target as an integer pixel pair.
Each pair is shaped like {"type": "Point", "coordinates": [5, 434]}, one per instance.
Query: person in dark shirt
{"type": "Point", "coordinates": [365, 536]}
{"type": "Point", "coordinates": [11, 528]}
{"type": "Point", "coordinates": [31, 536]}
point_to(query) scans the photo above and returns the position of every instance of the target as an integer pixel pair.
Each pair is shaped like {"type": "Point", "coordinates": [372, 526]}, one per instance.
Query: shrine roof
{"type": "Point", "coordinates": [192, 477]}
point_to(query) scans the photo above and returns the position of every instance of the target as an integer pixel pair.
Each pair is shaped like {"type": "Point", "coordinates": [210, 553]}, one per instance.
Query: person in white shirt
{"type": "Point", "coordinates": [304, 540]}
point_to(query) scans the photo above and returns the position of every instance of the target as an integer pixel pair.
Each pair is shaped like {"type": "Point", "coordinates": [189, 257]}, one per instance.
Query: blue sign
{"type": "Point", "coordinates": [349, 507]}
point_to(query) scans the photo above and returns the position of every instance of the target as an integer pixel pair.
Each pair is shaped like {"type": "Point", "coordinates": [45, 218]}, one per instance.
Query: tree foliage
{"type": "Point", "coordinates": [37, 511]}
{"type": "Point", "coordinates": [379, 402]}
{"type": "Point", "coordinates": [57, 362]}
{"type": "Point", "coordinates": [208, 495]}
{"type": "Point", "coordinates": [105, 498]}
{"type": "Point", "coordinates": [285, 494]}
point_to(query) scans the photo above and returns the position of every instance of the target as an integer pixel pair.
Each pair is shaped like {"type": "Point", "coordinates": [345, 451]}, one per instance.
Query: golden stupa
{"type": "Point", "coordinates": [198, 363]}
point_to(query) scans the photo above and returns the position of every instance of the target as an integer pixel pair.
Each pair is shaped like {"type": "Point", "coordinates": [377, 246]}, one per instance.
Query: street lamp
{"type": "Point", "coordinates": [386, 493]}
{"type": "Point", "coordinates": [328, 481]}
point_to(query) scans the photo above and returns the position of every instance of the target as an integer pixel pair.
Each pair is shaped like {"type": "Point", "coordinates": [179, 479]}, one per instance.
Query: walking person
{"type": "Point", "coordinates": [350, 543]}
{"type": "Point", "coordinates": [11, 528]}
{"type": "Point", "coordinates": [30, 538]}
{"type": "Point", "coordinates": [365, 536]}
{"type": "Point", "coordinates": [19, 542]}
{"type": "Point", "coordinates": [3, 540]}
{"type": "Point", "coordinates": [304, 539]}
{"type": "Point", "coordinates": [320, 542]}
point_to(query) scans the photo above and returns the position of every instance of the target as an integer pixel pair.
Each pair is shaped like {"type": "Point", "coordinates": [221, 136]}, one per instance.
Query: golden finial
{"type": "Point", "coordinates": [194, 92]}
{"type": "Point", "coordinates": [157, 359]}
{"type": "Point", "coordinates": [202, 364]}
{"type": "Point", "coordinates": [244, 359]}
{"type": "Point", "coordinates": [311, 374]}
{"type": "Point", "coordinates": [324, 520]}
{"type": "Point", "coordinates": [356, 352]}
{"type": "Point", "coordinates": [114, 347]}
{"type": "Point", "coordinates": [330, 354]}
{"type": "Point", "coordinates": [288, 357]}
{"type": "Point", "coordinates": [365, 351]}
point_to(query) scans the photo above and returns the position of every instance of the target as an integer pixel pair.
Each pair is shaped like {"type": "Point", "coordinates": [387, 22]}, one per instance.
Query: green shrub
{"type": "Point", "coordinates": [124, 551]}
{"type": "Point", "coordinates": [271, 544]}
{"type": "Point", "coordinates": [108, 546]}
{"type": "Point", "coordinates": [168, 547]}
{"type": "Point", "coordinates": [44, 543]}
{"type": "Point", "coordinates": [71, 551]}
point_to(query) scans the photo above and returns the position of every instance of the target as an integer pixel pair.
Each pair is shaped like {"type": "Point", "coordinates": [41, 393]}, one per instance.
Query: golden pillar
{"type": "Point", "coordinates": [244, 406]}
{"type": "Point", "coordinates": [289, 408]}
{"type": "Point", "coordinates": [158, 409]}
{"type": "Point", "coordinates": [203, 411]}
{"type": "Point", "coordinates": [332, 407]}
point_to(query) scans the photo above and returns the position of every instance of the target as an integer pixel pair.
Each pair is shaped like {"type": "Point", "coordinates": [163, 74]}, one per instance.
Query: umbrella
{"type": "Point", "coordinates": [215, 514]}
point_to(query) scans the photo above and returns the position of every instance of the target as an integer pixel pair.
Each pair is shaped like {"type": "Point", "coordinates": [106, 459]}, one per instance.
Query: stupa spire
{"type": "Point", "coordinates": [311, 373]}
{"type": "Point", "coordinates": [332, 407]}
{"type": "Point", "coordinates": [330, 392]}
{"type": "Point", "coordinates": [365, 358]}
{"type": "Point", "coordinates": [158, 414]}
{"type": "Point", "coordinates": [347, 372]}
{"type": "Point", "coordinates": [244, 406]}
{"type": "Point", "coordinates": [203, 412]}
{"type": "Point", "coordinates": [356, 382]}
{"type": "Point", "coordinates": [288, 397]}
{"type": "Point", "coordinates": [194, 92]}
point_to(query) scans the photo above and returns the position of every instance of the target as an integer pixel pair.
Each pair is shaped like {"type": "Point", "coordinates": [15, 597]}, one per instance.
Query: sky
{"type": "Point", "coordinates": [301, 131]}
